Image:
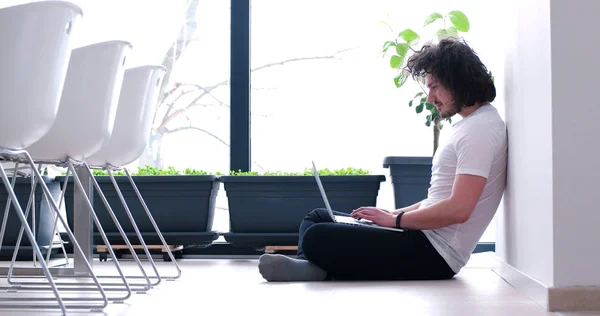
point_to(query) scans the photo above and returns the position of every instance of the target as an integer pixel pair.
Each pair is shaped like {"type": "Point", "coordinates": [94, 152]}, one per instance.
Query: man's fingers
{"type": "Point", "coordinates": [368, 217]}
{"type": "Point", "coordinates": [363, 213]}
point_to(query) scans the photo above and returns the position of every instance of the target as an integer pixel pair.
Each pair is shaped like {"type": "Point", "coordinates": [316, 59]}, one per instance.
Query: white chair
{"type": "Point", "coordinates": [36, 39]}
{"type": "Point", "coordinates": [83, 124]}
{"type": "Point", "coordinates": [138, 100]}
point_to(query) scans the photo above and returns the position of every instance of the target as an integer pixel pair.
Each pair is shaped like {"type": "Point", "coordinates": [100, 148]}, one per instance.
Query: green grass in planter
{"type": "Point", "coordinates": [152, 171]}
{"type": "Point", "coordinates": [307, 172]}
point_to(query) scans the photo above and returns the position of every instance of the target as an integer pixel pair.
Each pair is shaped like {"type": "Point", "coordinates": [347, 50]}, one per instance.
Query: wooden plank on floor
{"type": "Point", "coordinates": [104, 248]}
{"type": "Point", "coordinates": [272, 249]}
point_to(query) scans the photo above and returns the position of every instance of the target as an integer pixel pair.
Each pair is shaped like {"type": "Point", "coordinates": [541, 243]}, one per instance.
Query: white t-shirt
{"type": "Point", "coordinates": [478, 146]}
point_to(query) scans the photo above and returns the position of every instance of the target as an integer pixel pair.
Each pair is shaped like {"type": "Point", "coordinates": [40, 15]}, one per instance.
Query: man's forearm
{"type": "Point", "coordinates": [440, 214]}
{"type": "Point", "coordinates": [407, 209]}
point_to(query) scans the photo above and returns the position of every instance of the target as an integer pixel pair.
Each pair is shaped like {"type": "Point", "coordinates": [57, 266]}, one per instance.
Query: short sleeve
{"type": "Point", "coordinates": [475, 150]}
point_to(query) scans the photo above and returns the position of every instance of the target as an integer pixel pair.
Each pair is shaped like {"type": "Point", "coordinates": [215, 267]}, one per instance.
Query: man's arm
{"type": "Point", "coordinates": [455, 210]}
{"type": "Point", "coordinates": [407, 208]}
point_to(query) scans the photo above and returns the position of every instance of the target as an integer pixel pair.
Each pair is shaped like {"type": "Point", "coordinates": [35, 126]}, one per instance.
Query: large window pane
{"type": "Point", "coordinates": [322, 91]}
{"type": "Point", "coordinates": [191, 38]}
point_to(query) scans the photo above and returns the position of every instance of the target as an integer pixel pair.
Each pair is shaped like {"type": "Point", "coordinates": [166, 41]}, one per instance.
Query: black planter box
{"type": "Point", "coordinates": [44, 220]}
{"type": "Point", "coordinates": [183, 207]}
{"type": "Point", "coordinates": [411, 177]}
{"type": "Point", "coordinates": [267, 210]}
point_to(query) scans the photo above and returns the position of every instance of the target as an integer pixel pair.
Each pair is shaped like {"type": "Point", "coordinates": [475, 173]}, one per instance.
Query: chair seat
{"type": "Point", "coordinates": [30, 91]}
{"type": "Point", "coordinates": [133, 123]}
{"type": "Point", "coordinates": [88, 104]}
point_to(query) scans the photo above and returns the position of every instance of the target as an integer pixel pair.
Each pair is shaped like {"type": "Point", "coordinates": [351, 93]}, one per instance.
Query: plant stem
{"type": "Point", "coordinates": [436, 134]}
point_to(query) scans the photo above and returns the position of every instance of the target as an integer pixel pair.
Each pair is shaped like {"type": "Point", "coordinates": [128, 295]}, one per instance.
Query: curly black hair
{"type": "Point", "coordinates": [457, 67]}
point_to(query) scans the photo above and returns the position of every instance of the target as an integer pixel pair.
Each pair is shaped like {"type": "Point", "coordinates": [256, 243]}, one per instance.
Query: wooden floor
{"type": "Point", "coordinates": [234, 287]}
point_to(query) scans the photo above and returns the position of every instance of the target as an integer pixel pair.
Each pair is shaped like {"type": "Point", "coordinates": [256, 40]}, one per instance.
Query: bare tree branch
{"type": "Point", "coordinates": [281, 63]}
{"type": "Point", "coordinates": [185, 37]}
{"type": "Point", "coordinates": [185, 128]}
{"type": "Point", "coordinates": [179, 129]}
{"type": "Point", "coordinates": [207, 90]}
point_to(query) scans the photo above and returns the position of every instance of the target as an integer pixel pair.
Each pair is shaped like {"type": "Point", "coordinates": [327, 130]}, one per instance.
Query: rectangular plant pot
{"type": "Point", "coordinates": [411, 178]}
{"type": "Point", "coordinates": [183, 207]}
{"type": "Point", "coordinates": [267, 210]}
{"type": "Point", "coordinates": [44, 220]}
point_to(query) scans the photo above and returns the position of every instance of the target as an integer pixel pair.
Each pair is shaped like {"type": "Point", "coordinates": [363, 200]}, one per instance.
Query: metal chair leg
{"type": "Point", "coordinates": [126, 285]}
{"type": "Point", "coordinates": [29, 233]}
{"type": "Point", "coordinates": [139, 290]}
{"type": "Point", "coordinates": [160, 235]}
{"type": "Point", "coordinates": [8, 203]}
{"type": "Point", "coordinates": [135, 227]}
{"type": "Point", "coordinates": [118, 225]}
{"type": "Point", "coordinates": [76, 245]}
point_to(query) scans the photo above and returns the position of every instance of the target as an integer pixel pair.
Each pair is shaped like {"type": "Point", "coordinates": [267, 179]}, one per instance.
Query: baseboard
{"type": "Point", "coordinates": [553, 299]}
{"type": "Point", "coordinates": [535, 290]}
{"type": "Point", "coordinates": [578, 298]}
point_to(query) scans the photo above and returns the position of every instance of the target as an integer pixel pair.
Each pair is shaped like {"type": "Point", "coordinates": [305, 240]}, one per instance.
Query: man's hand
{"type": "Point", "coordinates": [378, 216]}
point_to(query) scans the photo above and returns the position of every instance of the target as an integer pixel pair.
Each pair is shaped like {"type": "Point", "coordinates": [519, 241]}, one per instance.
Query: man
{"type": "Point", "coordinates": [467, 183]}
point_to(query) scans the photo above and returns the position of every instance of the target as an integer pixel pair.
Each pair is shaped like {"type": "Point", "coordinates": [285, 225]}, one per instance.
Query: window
{"type": "Point", "coordinates": [320, 89]}
{"type": "Point", "coordinates": [191, 126]}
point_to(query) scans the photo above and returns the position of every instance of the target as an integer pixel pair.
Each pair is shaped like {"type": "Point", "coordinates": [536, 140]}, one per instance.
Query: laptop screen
{"type": "Point", "coordinates": [316, 174]}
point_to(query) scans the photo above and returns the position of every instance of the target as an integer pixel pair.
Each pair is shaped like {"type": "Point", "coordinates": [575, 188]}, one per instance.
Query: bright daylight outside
{"type": "Point", "coordinates": [320, 88]}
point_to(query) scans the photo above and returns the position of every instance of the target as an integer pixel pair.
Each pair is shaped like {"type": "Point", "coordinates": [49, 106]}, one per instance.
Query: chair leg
{"type": "Point", "coordinates": [54, 229]}
{"type": "Point", "coordinates": [54, 232]}
{"type": "Point", "coordinates": [8, 203]}
{"type": "Point", "coordinates": [29, 205]}
{"type": "Point", "coordinates": [18, 244]}
{"type": "Point", "coordinates": [135, 227]}
{"type": "Point", "coordinates": [77, 248]}
{"type": "Point", "coordinates": [119, 228]}
{"type": "Point", "coordinates": [160, 235]}
{"type": "Point", "coordinates": [32, 197]}
{"type": "Point", "coordinates": [116, 287]}
{"type": "Point", "coordinates": [32, 240]}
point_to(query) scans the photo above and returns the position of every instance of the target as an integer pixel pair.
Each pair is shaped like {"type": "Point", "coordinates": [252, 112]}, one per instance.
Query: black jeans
{"type": "Point", "coordinates": [349, 252]}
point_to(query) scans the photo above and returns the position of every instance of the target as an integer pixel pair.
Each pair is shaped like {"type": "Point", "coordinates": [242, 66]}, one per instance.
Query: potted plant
{"type": "Point", "coordinates": [181, 203]}
{"type": "Point", "coordinates": [266, 209]}
{"type": "Point", "coordinates": [411, 175]}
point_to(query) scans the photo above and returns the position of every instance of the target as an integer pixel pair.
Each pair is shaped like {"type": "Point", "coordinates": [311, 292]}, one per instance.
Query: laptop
{"type": "Point", "coordinates": [346, 219]}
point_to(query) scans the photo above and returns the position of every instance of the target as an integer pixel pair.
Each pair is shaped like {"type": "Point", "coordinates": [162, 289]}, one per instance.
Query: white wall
{"type": "Point", "coordinates": [547, 228]}
{"type": "Point", "coordinates": [524, 233]}
{"type": "Point", "coordinates": [575, 118]}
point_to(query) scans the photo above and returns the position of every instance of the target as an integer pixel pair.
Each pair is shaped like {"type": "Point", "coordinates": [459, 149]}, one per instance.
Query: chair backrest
{"type": "Point", "coordinates": [36, 47]}
{"type": "Point", "coordinates": [133, 124]}
{"type": "Point", "coordinates": [88, 104]}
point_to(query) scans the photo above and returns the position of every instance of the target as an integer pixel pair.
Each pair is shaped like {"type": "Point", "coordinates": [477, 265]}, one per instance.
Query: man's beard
{"type": "Point", "coordinates": [449, 110]}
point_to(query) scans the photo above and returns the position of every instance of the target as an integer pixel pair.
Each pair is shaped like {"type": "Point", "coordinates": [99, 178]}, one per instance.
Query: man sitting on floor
{"type": "Point", "coordinates": [467, 182]}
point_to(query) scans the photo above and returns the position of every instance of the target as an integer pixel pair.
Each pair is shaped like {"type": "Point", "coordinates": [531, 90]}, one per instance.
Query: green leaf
{"type": "Point", "coordinates": [429, 106]}
{"type": "Point", "coordinates": [423, 99]}
{"type": "Point", "coordinates": [441, 34]}
{"type": "Point", "coordinates": [452, 32]}
{"type": "Point", "coordinates": [396, 61]}
{"type": "Point", "coordinates": [419, 108]}
{"type": "Point", "coordinates": [432, 18]}
{"type": "Point", "coordinates": [418, 95]}
{"type": "Point", "coordinates": [409, 35]}
{"type": "Point", "coordinates": [410, 103]}
{"type": "Point", "coordinates": [459, 20]}
{"type": "Point", "coordinates": [387, 45]}
{"type": "Point", "coordinates": [440, 125]}
{"type": "Point", "coordinates": [401, 49]}
{"type": "Point", "coordinates": [428, 121]}
{"type": "Point", "coordinates": [450, 120]}
{"type": "Point", "coordinates": [400, 79]}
